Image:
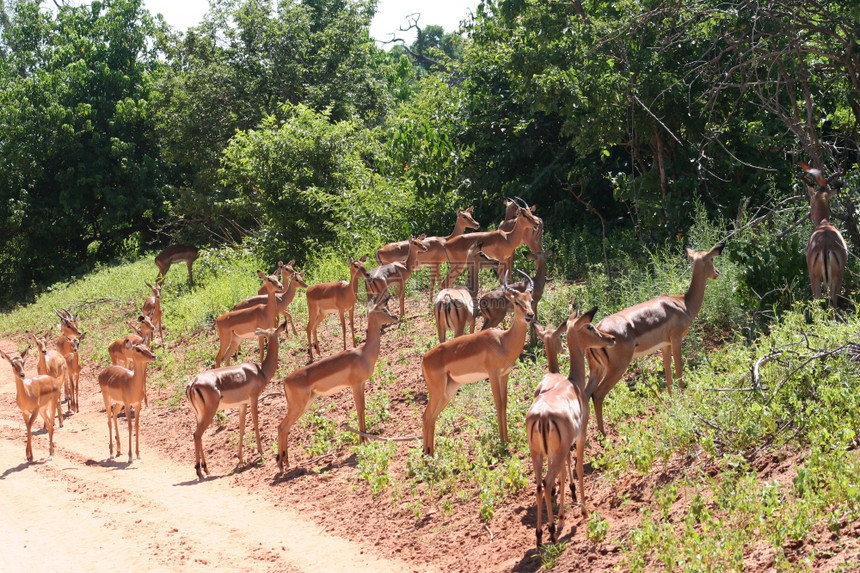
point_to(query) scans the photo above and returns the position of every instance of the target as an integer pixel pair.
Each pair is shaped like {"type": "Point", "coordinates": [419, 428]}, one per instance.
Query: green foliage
{"type": "Point", "coordinates": [598, 528]}
{"type": "Point", "coordinates": [373, 464]}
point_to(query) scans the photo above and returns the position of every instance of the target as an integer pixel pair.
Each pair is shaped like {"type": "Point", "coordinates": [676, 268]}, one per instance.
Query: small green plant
{"type": "Point", "coordinates": [598, 528]}
{"type": "Point", "coordinates": [550, 553]}
{"type": "Point", "coordinates": [373, 464]}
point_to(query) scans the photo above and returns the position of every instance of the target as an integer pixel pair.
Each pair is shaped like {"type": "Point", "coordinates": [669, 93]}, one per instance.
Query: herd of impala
{"type": "Point", "coordinates": [557, 420]}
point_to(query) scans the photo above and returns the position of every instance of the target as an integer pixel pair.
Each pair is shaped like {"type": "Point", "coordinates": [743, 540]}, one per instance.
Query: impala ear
{"type": "Point", "coordinates": [718, 250]}
{"type": "Point", "coordinates": [690, 253]}
{"type": "Point", "coordinates": [562, 327]}
{"type": "Point", "coordinates": [363, 258]}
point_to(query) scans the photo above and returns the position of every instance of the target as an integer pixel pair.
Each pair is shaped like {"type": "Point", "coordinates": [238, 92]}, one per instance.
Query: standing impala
{"type": "Point", "coordinates": [435, 254]}
{"type": "Point", "coordinates": [660, 323]}
{"type": "Point", "coordinates": [334, 297]}
{"type": "Point", "coordinates": [283, 298]}
{"type": "Point", "coordinates": [229, 387]}
{"type": "Point", "coordinates": [348, 368]}
{"type": "Point", "coordinates": [123, 386]}
{"type": "Point", "coordinates": [456, 307]}
{"type": "Point", "coordinates": [473, 357]}
{"type": "Point", "coordinates": [235, 325]}
{"type": "Point", "coordinates": [175, 254]}
{"type": "Point", "coordinates": [67, 345]}
{"type": "Point", "coordinates": [558, 417]}
{"type": "Point", "coordinates": [36, 396]}
{"type": "Point", "coordinates": [826, 251]}
{"type": "Point", "coordinates": [382, 277]}
{"type": "Point", "coordinates": [498, 244]}
{"type": "Point", "coordinates": [53, 364]}
{"type": "Point", "coordinates": [152, 308]}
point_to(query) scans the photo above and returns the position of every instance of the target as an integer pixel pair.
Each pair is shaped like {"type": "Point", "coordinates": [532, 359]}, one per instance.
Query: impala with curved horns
{"type": "Point", "coordinates": [826, 251]}
{"type": "Point", "coordinates": [473, 357]}
{"type": "Point", "coordinates": [283, 298]}
{"type": "Point", "coordinates": [660, 323]}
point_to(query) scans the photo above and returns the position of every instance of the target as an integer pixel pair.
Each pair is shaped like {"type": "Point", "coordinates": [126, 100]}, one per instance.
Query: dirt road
{"type": "Point", "coordinates": [81, 511]}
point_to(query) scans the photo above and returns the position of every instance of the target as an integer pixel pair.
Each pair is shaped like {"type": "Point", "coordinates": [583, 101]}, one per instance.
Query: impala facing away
{"type": "Point", "coordinates": [454, 307]}
{"type": "Point", "coordinates": [826, 251]}
{"type": "Point", "coordinates": [123, 386]}
{"type": "Point", "coordinates": [473, 357]}
{"type": "Point", "coordinates": [235, 325]}
{"type": "Point", "coordinates": [348, 368]}
{"type": "Point", "coordinates": [175, 254]}
{"type": "Point", "coordinates": [558, 418]}
{"type": "Point", "coordinates": [334, 297]}
{"type": "Point", "coordinates": [660, 323]}
{"type": "Point", "coordinates": [230, 387]}
{"type": "Point", "coordinates": [36, 396]}
{"type": "Point", "coordinates": [435, 254]}
{"type": "Point", "coordinates": [382, 277]}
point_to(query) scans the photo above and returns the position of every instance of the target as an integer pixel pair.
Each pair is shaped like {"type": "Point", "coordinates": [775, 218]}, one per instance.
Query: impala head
{"type": "Point", "coordinates": [521, 301]}
{"type": "Point", "coordinates": [156, 289]}
{"type": "Point", "coordinates": [271, 333]}
{"type": "Point", "coordinates": [271, 282]}
{"type": "Point", "coordinates": [75, 343]}
{"type": "Point", "coordinates": [17, 362]}
{"type": "Point", "coordinates": [582, 334]}
{"type": "Point", "coordinates": [146, 327]}
{"type": "Point", "coordinates": [299, 280]}
{"type": "Point", "coordinates": [465, 217]}
{"type": "Point", "coordinates": [143, 354]}
{"type": "Point", "coordinates": [68, 323]}
{"type": "Point", "coordinates": [511, 208]}
{"type": "Point", "coordinates": [705, 260]}
{"type": "Point", "coordinates": [819, 190]}
{"type": "Point", "coordinates": [287, 271]}
{"type": "Point", "coordinates": [356, 267]}
{"type": "Point", "coordinates": [41, 345]}
{"type": "Point", "coordinates": [551, 337]}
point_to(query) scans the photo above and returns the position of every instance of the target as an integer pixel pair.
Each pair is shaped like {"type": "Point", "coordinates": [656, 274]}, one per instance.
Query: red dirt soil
{"type": "Point", "coordinates": [84, 511]}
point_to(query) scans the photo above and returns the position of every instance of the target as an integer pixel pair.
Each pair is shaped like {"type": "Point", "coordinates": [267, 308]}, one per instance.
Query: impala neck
{"type": "Point", "coordinates": [577, 367]}
{"type": "Point", "coordinates": [459, 227]}
{"type": "Point", "coordinates": [552, 359]}
{"type": "Point", "coordinates": [411, 256]}
{"type": "Point", "coordinates": [695, 295]}
{"type": "Point", "coordinates": [374, 337]}
{"type": "Point", "coordinates": [472, 282]}
{"type": "Point", "coordinates": [270, 362]}
{"type": "Point", "coordinates": [819, 208]}
{"type": "Point", "coordinates": [353, 285]}
{"type": "Point", "coordinates": [514, 338]}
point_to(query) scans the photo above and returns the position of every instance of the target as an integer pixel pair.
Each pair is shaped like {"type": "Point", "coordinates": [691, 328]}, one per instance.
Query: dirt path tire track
{"type": "Point", "coordinates": [82, 512]}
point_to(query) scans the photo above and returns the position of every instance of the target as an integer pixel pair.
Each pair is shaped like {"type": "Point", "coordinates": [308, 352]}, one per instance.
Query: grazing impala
{"type": "Point", "coordinates": [558, 418]}
{"type": "Point", "coordinates": [36, 396]}
{"type": "Point", "coordinates": [123, 386]}
{"type": "Point", "coordinates": [229, 387]}
{"type": "Point", "coordinates": [346, 369]}
{"type": "Point", "coordinates": [498, 244]}
{"type": "Point", "coordinates": [382, 277]}
{"type": "Point", "coordinates": [473, 357]}
{"type": "Point", "coordinates": [53, 364]}
{"type": "Point", "coordinates": [826, 251]}
{"type": "Point", "coordinates": [175, 254]}
{"type": "Point", "coordinates": [660, 323]}
{"type": "Point", "coordinates": [334, 297]}
{"type": "Point", "coordinates": [235, 325]}
{"type": "Point", "coordinates": [454, 307]}
{"type": "Point", "coordinates": [435, 254]}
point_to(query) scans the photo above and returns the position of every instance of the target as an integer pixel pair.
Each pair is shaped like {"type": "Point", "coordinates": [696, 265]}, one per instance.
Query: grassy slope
{"type": "Point", "coordinates": [750, 474]}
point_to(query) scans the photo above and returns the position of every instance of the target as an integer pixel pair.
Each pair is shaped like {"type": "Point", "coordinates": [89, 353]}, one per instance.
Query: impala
{"type": "Point", "coordinates": [384, 276]}
{"type": "Point", "coordinates": [285, 270]}
{"type": "Point", "coordinates": [498, 244]}
{"type": "Point", "coordinates": [235, 325]}
{"type": "Point", "coordinates": [533, 237]}
{"type": "Point", "coordinates": [121, 351]}
{"type": "Point", "coordinates": [826, 251]}
{"type": "Point", "coordinates": [53, 364]}
{"type": "Point", "coordinates": [123, 386]}
{"type": "Point", "coordinates": [68, 330]}
{"type": "Point", "coordinates": [473, 357]}
{"type": "Point", "coordinates": [558, 418]}
{"type": "Point", "coordinates": [348, 368]}
{"type": "Point", "coordinates": [454, 307]}
{"type": "Point", "coordinates": [231, 387]}
{"type": "Point", "coordinates": [152, 308]}
{"type": "Point", "coordinates": [334, 297]}
{"type": "Point", "coordinates": [36, 396]}
{"type": "Point", "coordinates": [660, 323]}
{"type": "Point", "coordinates": [435, 254]}
{"type": "Point", "coordinates": [282, 299]}
{"type": "Point", "coordinates": [175, 254]}
{"type": "Point", "coordinates": [73, 367]}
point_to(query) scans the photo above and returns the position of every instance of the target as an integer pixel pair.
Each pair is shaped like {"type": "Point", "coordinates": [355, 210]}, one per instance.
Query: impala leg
{"type": "Point", "coordinates": [343, 327]}
{"type": "Point", "coordinates": [289, 319]}
{"type": "Point", "coordinates": [436, 402]}
{"type": "Point", "coordinates": [358, 396]}
{"type": "Point", "coordinates": [666, 351]}
{"type": "Point", "coordinates": [127, 409]}
{"type": "Point", "coordinates": [296, 406]}
{"type": "Point", "coordinates": [455, 269]}
{"type": "Point", "coordinates": [434, 278]}
{"type": "Point", "coordinates": [613, 375]}
{"type": "Point", "coordinates": [351, 326]}
{"type": "Point", "coordinates": [28, 422]}
{"type": "Point", "coordinates": [537, 464]}
{"type": "Point", "coordinates": [580, 471]}
{"type": "Point", "coordinates": [679, 359]}
{"type": "Point", "coordinates": [499, 398]}
{"type": "Point", "coordinates": [255, 419]}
